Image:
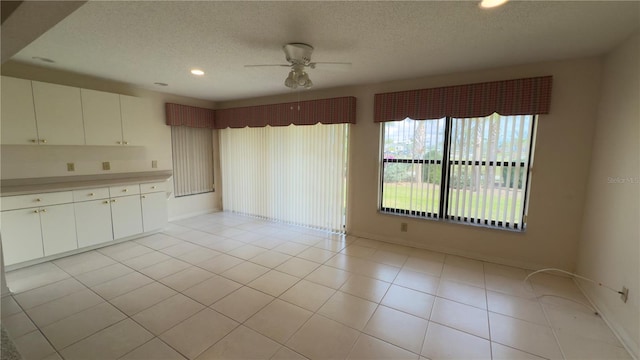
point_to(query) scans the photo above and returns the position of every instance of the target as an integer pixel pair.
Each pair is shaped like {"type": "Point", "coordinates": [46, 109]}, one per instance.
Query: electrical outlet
{"type": "Point", "coordinates": [106, 165]}
{"type": "Point", "coordinates": [154, 163]}
{"type": "Point", "coordinates": [71, 167]}
{"type": "Point", "coordinates": [404, 227]}
{"type": "Point", "coordinates": [624, 294]}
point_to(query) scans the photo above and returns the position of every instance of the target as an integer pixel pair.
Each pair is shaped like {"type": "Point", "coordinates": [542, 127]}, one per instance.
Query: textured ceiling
{"type": "Point", "coordinates": [142, 42]}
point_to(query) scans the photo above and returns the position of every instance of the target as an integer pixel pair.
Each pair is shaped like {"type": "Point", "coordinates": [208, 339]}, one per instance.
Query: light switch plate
{"type": "Point", "coordinates": [106, 165]}
{"type": "Point", "coordinates": [71, 167]}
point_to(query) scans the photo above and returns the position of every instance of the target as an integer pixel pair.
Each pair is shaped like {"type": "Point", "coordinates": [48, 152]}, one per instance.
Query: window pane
{"type": "Point", "coordinates": [481, 179]}
{"type": "Point", "coordinates": [489, 161]}
{"type": "Point", "coordinates": [412, 166]}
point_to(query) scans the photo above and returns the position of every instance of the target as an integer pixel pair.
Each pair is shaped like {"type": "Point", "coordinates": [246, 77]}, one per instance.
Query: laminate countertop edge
{"type": "Point", "coordinates": [11, 187]}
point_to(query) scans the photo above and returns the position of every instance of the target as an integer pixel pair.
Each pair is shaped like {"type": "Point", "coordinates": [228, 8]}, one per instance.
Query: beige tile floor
{"type": "Point", "coordinates": [228, 286]}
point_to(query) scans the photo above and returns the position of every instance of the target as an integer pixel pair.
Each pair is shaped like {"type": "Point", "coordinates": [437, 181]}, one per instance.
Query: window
{"type": "Point", "coordinates": [294, 174]}
{"type": "Point", "coordinates": [471, 170]}
{"type": "Point", "coordinates": [192, 160]}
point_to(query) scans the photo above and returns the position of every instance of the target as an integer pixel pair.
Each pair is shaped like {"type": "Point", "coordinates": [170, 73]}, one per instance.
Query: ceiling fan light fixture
{"type": "Point", "coordinates": [298, 78]}
{"type": "Point", "coordinates": [291, 81]}
{"type": "Point", "coordinates": [302, 79]}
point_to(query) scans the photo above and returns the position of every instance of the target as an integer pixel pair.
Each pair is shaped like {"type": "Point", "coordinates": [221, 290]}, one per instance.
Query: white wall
{"type": "Point", "coordinates": [609, 249]}
{"type": "Point", "coordinates": [558, 182]}
{"type": "Point", "coordinates": [18, 161]}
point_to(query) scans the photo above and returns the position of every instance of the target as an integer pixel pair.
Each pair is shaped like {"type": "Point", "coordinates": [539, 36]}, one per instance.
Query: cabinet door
{"type": "Point", "coordinates": [58, 114]}
{"type": "Point", "coordinates": [58, 229]}
{"type": "Point", "coordinates": [154, 211]}
{"type": "Point", "coordinates": [127, 216]}
{"type": "Point", "coordinates": [101, 113]}
{"type": "Point", "coordinates": [93, 222]}
{"type": "Point", "coordinates": [18, 116]}
{"type": "Point", "coordinates": [136, 120]}
{"type": "Point", "coordinates": [21, 235]}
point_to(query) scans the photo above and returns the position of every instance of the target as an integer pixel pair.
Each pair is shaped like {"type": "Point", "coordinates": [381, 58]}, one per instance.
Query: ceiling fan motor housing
{"type": "Point", "coordinates": [298, 53]}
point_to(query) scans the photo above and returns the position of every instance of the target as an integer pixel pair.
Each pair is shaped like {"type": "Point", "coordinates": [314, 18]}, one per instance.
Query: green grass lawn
{"type": "Point", "coordinates": [426, 197]}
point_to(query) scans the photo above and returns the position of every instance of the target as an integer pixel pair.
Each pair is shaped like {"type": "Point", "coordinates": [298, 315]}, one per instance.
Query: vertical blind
{"type": "Point", "coordinates": [488, 169]}
{"type": "Point", "coordinates": [294, 174]}
{"type": "Point", "coordinates": [472, 170]}
{"type": "Point", "coordinates": [192, 160]}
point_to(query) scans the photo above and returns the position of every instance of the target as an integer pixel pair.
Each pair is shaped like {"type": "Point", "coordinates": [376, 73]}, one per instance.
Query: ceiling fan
{"type": "Point", "coordinates": [298, 56]}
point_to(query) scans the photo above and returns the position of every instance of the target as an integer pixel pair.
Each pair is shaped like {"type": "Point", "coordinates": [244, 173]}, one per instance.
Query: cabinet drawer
{"type": "Point", "coordinates": [124, 190]}
{"type": "Point", "coordinates": [90, 194]}
{"type": "Point", "coordinates": [153, 187]}
{"type": "Point", "coordinates": [35, 200]}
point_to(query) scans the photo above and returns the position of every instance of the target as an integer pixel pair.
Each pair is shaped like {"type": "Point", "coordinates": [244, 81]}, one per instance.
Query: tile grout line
{"type": "Point", "coordinates": [316, 312]}
{"type": "Point", "coordinates": [486, 299]}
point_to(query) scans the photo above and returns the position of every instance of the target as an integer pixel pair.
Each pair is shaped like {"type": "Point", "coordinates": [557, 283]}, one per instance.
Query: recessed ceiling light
{"type": "Point", "coordinates": [197, 72]}
{"type": "Point", "coordinates": [488, 4]}
{"type": "Point", "coordinates": [43, 59]}
{"type": "Point", "coordinates": [161, 84]}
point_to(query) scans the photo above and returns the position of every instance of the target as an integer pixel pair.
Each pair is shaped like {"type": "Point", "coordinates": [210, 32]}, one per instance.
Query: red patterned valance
{"type": "Point", "coordinates": [327, 111]}
{"type": "Point", "coordinates": [509, 97]}
{"type": "Point", "coordinates": [183, 115]}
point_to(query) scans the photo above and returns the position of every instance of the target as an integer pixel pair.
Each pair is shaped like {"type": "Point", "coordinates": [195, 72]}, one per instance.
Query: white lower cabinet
{"type": "Point", "coordinates": [38, 225]}
{"type": "Point", "coordinates": [58, 224]}
{"type": "Point", "coordinates": [93, 222]}
{"type": "Point", "coordinates": [154, 211]}
{"type": "Point", "coordinates": [32, 233]}
{"type": "Point", "coordinates": [21, 236]}
{"type": "Point", "coordinates": [126, 214]}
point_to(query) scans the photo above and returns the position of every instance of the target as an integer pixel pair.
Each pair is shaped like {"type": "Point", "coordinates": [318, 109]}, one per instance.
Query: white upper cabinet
{"type": "Point", "coordinates": [35, 112]}
{"type": "Point", "coordinates": [58, 114]}
{"type": "Point", "coordinates": [18, 116]}
{"type": "Point", "coordinates": [135, 120]}
{"type": "Point", "coordinates": [102, 122]}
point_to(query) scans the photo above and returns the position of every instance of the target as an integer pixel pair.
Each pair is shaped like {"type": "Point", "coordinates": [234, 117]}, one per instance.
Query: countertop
{"type": "Point", "coordinates": [10, 187]}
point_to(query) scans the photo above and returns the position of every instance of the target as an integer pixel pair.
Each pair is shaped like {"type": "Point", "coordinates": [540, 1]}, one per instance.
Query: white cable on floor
{"type": "Point", "coordinates": [574, 275]}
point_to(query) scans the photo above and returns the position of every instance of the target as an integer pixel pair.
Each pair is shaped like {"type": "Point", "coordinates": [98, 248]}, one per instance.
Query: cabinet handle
{"type": "Point", "coordinates": [38, 200]}
{"type": "Point", "coordinates": [125, 190]}
{"type": "Point", "coordinates": [34, 141]}
{"type": "Point", "coordinates": [43, 210]}
{"type": "Point", "coordinates": [36, 211]}
{"type": "Point", "coordinates": [105, 202]}
{"type": "Point", "coordinates": [126, 143]}
{"type": "Point", "coordinates": [114, 200]}
{"type": "Point", "coordinates": [91, 194]}
{"type": "Point", "coordinates": [144, 197]}
{"type": "Point", "coordinates": [118, 142]}
{"type": "Point", "coordinates": [153, 187]}
{"type": "Point", "coordinates": [44, 141]}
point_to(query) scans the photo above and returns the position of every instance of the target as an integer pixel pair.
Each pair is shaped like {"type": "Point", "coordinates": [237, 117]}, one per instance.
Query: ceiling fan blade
{"type": "Point", "coordinates": [331, 63]}
{"type": "Point", "coordinates": [260, 65]}
{"type": "Point", "coordinates": [323, 63]}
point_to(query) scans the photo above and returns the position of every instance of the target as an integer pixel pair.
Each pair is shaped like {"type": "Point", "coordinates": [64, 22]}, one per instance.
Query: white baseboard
{"type": "Point", "coordinates": [453, 251]}
{"type": "Point", "coordinates": [192, 214]}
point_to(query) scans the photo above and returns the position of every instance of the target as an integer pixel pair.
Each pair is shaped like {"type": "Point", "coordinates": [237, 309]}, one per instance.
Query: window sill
{"type": "Point", "coordinates": [455, 222]}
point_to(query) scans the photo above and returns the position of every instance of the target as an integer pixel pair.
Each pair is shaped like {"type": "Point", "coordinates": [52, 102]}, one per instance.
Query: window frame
{"type": "Point", "coordinates": [446, 164]}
